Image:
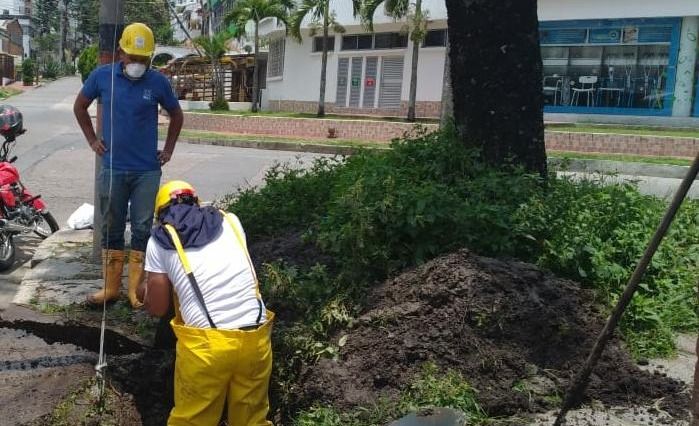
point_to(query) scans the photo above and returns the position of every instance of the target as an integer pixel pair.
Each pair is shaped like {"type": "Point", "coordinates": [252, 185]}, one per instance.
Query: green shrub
{"type": "Point", "coordinates": [219, 105]}
{"type": "Point", "coordinates": [51, 70]}
{"type": "Point", "coordinates": [68, 70]}
{"type": "Point", "coordinates": [377, 213]}
{"type": "Point", "coordinates": [430, 389]}
{"type": "Point", "coordinates": [87, 61]}
{"type": "Point", "coordinates": [28, 71]}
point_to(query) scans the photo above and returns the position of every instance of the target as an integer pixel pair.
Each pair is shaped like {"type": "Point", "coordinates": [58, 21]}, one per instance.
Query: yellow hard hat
{"type": "Point", "coordinates": [137, 39]}
{"type": "Point", "coordinates": [170, 192]}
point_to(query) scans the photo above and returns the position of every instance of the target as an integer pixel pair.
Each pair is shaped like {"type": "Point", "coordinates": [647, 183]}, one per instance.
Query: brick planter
{"type": "Point", "coordinates": [381, 131]}
{"type": "Point", "coordinates": [385, 131]}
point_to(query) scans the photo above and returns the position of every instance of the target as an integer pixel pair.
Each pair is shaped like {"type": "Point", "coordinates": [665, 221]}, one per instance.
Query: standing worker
{"type": "Point", "coordinates": [130, 92]}
{"type": "Point", "coordinates": [223, 329]}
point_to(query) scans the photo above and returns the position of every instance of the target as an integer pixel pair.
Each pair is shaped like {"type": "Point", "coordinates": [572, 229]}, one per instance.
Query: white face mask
{"type": "Point", "coordinates": [135, 70]}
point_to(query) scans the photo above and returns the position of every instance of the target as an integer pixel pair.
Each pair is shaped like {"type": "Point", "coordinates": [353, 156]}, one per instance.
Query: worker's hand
{"type": "Point", "coordinates": [164, 156]}
{"type": "Point", "coordinates": [98, 147]}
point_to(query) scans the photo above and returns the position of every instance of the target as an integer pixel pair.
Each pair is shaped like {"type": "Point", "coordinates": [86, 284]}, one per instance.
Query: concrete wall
{"type": "Point", "coordinates": [557, 10]}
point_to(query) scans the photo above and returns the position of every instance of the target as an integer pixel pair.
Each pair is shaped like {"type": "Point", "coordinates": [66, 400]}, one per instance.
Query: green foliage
{"type": "Point", "coordinates": [377, 213]}
{"type": "Point", "coordinates": [155, 14]}
{"type": "Point", "coordinates": [28, 71]}
{"type": "Point", "coordinates": [51, 70]}
{"type": "Point", "coordinates": [429, 389]}
{"type": "Point", "coordinates": [68, 70]}
{"type": "Point", "coordinates": [87, 61]}
{"type": "Point", "coordinates": [219, 105]}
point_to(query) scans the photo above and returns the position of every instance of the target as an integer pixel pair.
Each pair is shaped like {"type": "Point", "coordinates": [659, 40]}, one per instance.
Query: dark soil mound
{"type": "Point", "coordinates": [503, 325]}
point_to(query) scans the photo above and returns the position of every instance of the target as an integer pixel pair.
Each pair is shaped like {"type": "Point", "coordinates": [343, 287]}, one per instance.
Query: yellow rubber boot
{"type": "Point", "coordinates": [112, 268]}
{"type": "Point", "coordinates": [136, 259]}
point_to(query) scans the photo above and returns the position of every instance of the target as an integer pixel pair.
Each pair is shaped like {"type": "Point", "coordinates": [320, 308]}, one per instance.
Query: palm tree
{"type": "Point", "coordinates": [321, 16]}
{"type": "Point", "coordinates": [416, 26]}
{"type": "Point", "coordinates": [245, 11]}
{"type": "Point", "coordinates": [215, 47]}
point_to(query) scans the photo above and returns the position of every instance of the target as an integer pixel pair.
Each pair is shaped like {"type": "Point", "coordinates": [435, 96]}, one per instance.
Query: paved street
{"type": "Point", "coordinates": [55, 161]}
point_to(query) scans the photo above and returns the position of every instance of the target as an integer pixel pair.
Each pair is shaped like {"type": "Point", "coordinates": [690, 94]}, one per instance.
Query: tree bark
{"type": "Point", "coordinates": [447, 112]}
{"type": "Point", "coordinates": [413, 69]}
{"type": "Point", "coordinates": [64, 31]}
{"type": "Point", "coordinates": [255, 76]}
{"type": "Point", "coordinates": [324, 59]}
{"type": "Point", "coordinates": [496, 75]}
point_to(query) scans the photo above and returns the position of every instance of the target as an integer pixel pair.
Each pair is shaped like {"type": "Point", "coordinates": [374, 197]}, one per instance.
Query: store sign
{"type": "Point", "coordinates": [355, 81]}
{"type": "Point", "coordinates": [370, 82]}
{"type": "Point", "coordinates": [606, 35]}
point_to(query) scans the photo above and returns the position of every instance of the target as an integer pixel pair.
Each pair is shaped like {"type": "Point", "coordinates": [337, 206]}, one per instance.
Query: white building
{"type": "Point", "coordinates": [633, 57]}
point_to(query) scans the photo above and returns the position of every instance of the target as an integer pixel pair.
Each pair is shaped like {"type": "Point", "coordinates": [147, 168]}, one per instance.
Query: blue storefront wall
{"type": "Point", "coordinates": [583, 37]}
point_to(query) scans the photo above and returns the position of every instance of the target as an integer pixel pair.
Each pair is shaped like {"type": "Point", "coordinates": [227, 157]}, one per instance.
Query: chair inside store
{"type": "Point", "coordinates": [587, 88]}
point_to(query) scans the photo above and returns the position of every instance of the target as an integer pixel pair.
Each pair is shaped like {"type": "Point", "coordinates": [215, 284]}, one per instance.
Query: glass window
{"type": "Point", "coordinates": [318, 44]}
{"type": "Point", "coordinates": [614, 66]}
{"type": "Point", "coordinates": [357, 42]}
{"type": "Point", "coordinates": [275, 58]}
{"type": "Point", "coordinates": [390, 41]}
{"type": "Point", "coordinates": [435, 38]}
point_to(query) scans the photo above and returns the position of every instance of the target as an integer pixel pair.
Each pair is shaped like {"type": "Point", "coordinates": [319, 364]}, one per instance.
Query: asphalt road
{"type": "Point", "coordinates": [55, 161]}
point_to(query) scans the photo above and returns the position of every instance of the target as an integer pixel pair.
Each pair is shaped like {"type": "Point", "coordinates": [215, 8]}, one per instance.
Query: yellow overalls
{"type": "Point", "coordinates": [213, 365]}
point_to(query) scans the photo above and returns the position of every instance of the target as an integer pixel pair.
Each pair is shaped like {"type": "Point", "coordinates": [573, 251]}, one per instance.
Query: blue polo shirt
{"type": "Point", "coordinates": [135, 117]}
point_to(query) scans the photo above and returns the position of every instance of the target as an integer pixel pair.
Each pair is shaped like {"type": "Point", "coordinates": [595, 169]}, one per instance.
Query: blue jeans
{"type": "Point", "coordinates": [138, 187]}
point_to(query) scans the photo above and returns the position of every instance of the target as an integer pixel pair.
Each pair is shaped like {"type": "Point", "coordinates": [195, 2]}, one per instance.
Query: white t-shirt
{"type": "Point", "coordinates": [224, 276]}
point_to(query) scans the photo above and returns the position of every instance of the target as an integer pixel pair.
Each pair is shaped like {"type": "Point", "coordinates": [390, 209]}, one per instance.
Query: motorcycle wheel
{"type": "Point", "coordinates": [46, 226]}
{"type": "Point", "coordinates": [7, 251]}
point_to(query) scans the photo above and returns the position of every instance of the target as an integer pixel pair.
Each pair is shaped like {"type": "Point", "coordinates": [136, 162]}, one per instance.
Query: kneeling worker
{"type": "Point", "coordinates": [223, 330]}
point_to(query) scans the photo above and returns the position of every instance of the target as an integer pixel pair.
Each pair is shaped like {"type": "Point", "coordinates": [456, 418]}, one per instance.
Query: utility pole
{"type": "Point", "coordinates": [111, 25]}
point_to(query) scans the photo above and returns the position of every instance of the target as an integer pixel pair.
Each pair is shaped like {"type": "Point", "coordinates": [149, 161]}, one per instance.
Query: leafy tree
{"type": "Point", "coordinates": [87, 61]}
{"type": "Point", "coordinates": [245, 11]}
{"type": "Point", "coordinates": [86, 19]}
{"type": "Point", "coordinates": [214, 48]}
{"type": "Point", "coordinates": [155, 14]}
{"type": "Point", "coordinates": [416, 26]}
{"type": "Point", "coordinates": [496, 73]}
{"type": "Point", "coordinates": [45, 16]}
{"type": "Point", "coordinates": [321, 18]}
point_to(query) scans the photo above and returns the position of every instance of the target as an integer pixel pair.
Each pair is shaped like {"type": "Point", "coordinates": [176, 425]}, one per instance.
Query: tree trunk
{"type": "Point", "coordinates": [447, 113]}
{"type": "Point", "coordinates": [324, 60]}
{"type": "Point", "coordinates": [413, 68]}
{"type": "Point", "coordinates": [255, 76]}
{"type": "Point", "coordinates": [496, 75]}
{"type": "Point", "coordinates": [64, 31]}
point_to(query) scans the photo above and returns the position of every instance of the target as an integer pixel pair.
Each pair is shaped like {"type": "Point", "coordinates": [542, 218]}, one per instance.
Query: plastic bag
{"type": "Point", "coordinates": [83, 217]}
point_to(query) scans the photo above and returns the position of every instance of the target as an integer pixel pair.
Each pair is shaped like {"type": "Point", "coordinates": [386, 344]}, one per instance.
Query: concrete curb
{"type": "Point", "coordinates": [572, 165]}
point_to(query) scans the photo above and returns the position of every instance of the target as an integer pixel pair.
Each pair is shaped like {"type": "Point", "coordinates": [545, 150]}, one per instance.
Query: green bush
{"type": "Point", "coordinates": [68, 70]}
{"type": "Point", "coordinates": [87, 61]}
{"type": "Point", "coordinates": [219, 105]}
{"type": "Point", "coordinates": [51, 70]}
{"type": "Point", "coordinates": [28, 72]}
{"type": "Point", "coordinates": [377, 213]}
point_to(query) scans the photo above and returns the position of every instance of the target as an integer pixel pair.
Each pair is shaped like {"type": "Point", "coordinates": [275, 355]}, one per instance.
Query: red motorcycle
{"type": "Point", "coordinates": [20, 211]}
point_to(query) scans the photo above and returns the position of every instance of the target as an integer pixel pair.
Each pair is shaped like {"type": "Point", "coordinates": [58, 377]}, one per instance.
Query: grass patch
{"type": "Point", "coordinates": [673, 161]}
{"type": "Point", "coordinates": [313, 115]}
{"type": "Point", "coordinates": [625, 130]}
{"type": "Point", "coordinates": [430, 389]}
{"type": "Point", "coordinates": [7, 92]}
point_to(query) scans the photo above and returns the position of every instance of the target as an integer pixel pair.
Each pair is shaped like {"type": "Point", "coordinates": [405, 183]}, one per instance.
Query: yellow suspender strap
{"type": "Point", "coordinates": [188, 270]}
{"type": "Point", "coordinates": [244, 246]}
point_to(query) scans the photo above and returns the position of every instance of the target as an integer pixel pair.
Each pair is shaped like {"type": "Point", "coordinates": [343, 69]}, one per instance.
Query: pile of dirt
{"type": "Point", "coordinates": [517, 334]}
